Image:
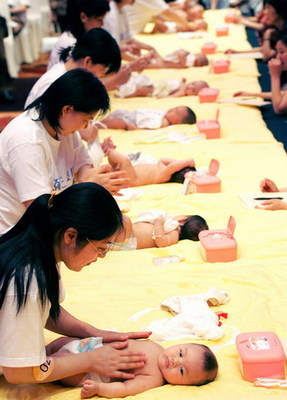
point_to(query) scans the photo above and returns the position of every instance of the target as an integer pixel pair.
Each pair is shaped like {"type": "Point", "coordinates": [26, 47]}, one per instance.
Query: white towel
{"type": "Point", "coordinates": [193, 317]}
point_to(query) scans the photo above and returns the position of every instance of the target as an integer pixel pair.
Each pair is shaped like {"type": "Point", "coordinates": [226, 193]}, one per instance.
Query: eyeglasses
{"type": "Point", "coordinates": [102, 250]}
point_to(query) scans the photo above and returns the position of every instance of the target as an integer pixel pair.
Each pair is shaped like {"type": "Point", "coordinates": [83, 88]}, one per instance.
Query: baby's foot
{"type": "Point", "coordinates": [90, 388]}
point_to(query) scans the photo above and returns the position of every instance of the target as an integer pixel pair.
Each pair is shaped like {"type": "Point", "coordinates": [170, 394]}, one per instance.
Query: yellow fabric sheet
{"type": "Point", "coordinates": [108, 293]}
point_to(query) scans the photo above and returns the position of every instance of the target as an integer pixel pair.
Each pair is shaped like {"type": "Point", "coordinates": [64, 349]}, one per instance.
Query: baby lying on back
{"type": "Point", "coordinates": [183, 364]}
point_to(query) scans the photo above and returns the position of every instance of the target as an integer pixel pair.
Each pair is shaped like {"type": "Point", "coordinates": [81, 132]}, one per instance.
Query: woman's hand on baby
{"type": "Point", "coordinates": [140, 64]}
{"type": "Point", "coordinates": [272, 205]}
{"type": "Point", "coordinates": [113, 181]}
{"type": "Point", "coordinates": [267, 185]}
{"type": "Point", "coordinates": [110, 336]}
{"type": "Point", "coordinates": [112, 360]}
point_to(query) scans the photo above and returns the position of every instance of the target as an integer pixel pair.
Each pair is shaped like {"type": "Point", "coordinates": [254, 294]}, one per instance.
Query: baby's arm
{"type": "Point", "coordinates": [118, 123]}
{"type": "Point", "coordinates": [129, 387]}
{"type": "Point", "coordinates": [161, 238]}
{"type": "Point", "coordinates": [180, 92]}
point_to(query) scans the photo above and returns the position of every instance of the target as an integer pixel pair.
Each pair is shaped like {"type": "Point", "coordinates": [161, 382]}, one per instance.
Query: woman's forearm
{"type": "Point", "coordinates": [278, 102]}
{"type": "Point", "coordinates": [52, 370]}
{"type": "Point", "coordinates": [68, 325]}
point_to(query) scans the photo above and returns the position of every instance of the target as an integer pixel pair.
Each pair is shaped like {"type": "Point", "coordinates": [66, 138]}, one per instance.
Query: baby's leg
{"type": "Point", "coordinates": [57, 344]}
{"type": "Point", "coordinates": [159, 27]}
{"type": "Point", "coordinates": [122, 162]}
{"type": "Point", "coordinates": [90, 389]}
{"type": "Point", "coordinates": [166, 169]}
{"type": "Point", "coordinates": [114, 123]}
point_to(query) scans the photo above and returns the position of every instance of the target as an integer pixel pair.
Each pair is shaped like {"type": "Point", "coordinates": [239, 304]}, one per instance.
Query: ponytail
{"type": "Point", "coordinates": [27, 249]}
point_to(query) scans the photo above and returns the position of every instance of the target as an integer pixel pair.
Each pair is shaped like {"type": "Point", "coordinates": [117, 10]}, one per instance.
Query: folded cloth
{"type": "Point", "coordinates": [177, 304]}
{"type": "Point", "coordinates": [169, 225]}
{"type": "Point", "coordinates": [193, 317]}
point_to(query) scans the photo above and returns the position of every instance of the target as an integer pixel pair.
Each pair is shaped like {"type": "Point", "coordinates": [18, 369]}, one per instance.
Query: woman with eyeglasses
{"type": "Point", "coordinates": [41, 150]}
{"type": "Point", "coordinates": [75, 227]}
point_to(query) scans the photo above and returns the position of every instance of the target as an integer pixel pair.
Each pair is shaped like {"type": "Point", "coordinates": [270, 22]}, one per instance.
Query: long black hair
{"type": "Point", "coordinates": [279, 6]}
{"type": "Point", "coordinates": [78, 88]}
{"type": "Point", "coordinates": [26, 250]}
{"type": "Point", "coordinates": [92, 8]}
{"type": "Point", "coordinates": [98, 44]}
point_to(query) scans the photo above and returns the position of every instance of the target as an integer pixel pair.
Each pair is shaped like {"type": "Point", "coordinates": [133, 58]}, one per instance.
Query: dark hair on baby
{"type": "Point", "coordinates": [191, 228]}
{"type": "Point", "coordinates": [178, 176]}
{"type": "Point", "coordinates": [210, 365]}
{"type": "Point", "coordinates": [190, 118]}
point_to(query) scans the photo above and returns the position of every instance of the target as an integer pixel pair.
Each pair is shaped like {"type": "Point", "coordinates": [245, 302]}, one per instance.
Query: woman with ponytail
{"type": "Point", "coordinates": [41, 150]}
{"type": "Point", "coordinates": [96, 51]}
{"type": "Point", "coordinates": [75, 227]}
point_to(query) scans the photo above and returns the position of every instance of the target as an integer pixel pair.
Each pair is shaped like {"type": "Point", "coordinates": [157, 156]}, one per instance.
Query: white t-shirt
{"type": "Point", "coordinates": [22, 342]}
{"type": "Point", "coordinates": [142, 11]}
{"type": "Point", "coordinates": [116, 23]}
{"type": "Point", "coordinates": [64, 41]}
{"type": "Point", "coordinates": [33, 163]}
{"type": "Point", "coordinates": [45, 81]}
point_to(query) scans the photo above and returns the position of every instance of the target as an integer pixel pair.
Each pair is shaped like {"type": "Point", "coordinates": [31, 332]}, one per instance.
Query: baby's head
{"type": "Point", "coordinates": [188, 364]}
{"type": "Point", "coordinates": [195, 12]}
{"type": "Point", "coordinates": [200, 60]}
{"type": "Point", "coordinates": [180, 115]}
{"type": "Point", "coordinates": [179, 176]}
{"type": "Point", "coordinates": [192, 88]}
{"type": "Point", "coordinates": [192, 226]}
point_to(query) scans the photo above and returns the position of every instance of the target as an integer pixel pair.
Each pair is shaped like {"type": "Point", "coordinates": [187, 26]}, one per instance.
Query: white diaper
{"type": "Point", "coordinates": [164, 87]}
{"type": "Point", "coordinates": [84, 346]}
{"type": "Point", "coordinates": [190, 59]}
{"type": "Point", "coordinates": [169, 225]}
{"type": "Point", "coordinates": [135, 81]}
{"type": "Point", "coordinates": [171, 26]}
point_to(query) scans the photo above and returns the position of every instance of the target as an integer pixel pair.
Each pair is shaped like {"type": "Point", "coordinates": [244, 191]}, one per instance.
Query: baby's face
{"type": "Point", "coordinates": [176, 115]}
{"type": "Point", "coordinates": [192, 88]}
{"type": "Point", "coordinates": [182, 364]}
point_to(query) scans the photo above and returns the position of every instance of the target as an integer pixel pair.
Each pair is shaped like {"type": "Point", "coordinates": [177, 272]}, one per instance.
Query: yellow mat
{"type": "Point", "coordinates": [110, 292]}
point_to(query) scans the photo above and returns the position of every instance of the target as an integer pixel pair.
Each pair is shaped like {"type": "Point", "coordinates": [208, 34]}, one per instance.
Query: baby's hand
{"type": "Point", "coordinates": [267, 185]}
{"type": "Point", "coordinates": [90, 388]}
{"type": "Point", "coordinates": [272, 205]}
{"type": "Point", "coordinates": [107, 145]}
